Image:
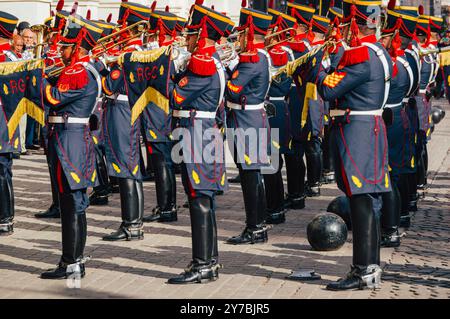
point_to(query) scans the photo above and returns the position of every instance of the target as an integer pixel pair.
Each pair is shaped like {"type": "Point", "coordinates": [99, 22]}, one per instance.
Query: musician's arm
{"type": "Point", "coordinates": [337, 84]}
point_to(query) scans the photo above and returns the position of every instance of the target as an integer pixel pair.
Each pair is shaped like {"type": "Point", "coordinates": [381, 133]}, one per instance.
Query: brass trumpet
{"type": "Point", "coordinates": [434, 51]}
{"type": "Point", "coordinates": [39, 29]}
{"type": "Point", "coordinates": [292, 66]}
{"type": "Point", "coordinates": [104, 44]}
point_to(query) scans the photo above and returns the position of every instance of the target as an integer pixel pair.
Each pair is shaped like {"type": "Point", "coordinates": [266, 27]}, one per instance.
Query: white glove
{"type": "Point", "coordinates": [233, 63]}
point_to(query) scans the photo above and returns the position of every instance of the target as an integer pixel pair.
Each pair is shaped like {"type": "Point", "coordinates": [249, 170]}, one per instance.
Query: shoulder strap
{"type": "Point", "coordinates": [221, 73]}
{"type": "Point", "coordinates": [387, 76]}
{"type": "Point", "coordinates": [410, 73]}
{"type": "Point", "coordinates": [269, 63]}
{"type": "Point", "coordinates": [97, 77]}
{"type": "Point", "coordinates": [415, 55]}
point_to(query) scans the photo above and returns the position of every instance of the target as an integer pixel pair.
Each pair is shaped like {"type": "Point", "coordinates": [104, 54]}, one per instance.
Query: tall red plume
{"type": "Point", "coordinates": [331, 3]}
{"type": "Point", "coordinates": [199, 2]}
{"type": "Point", "coordinates": [153, 6]}
{"type": "Point", "coordinates": [52, 13]}
{"type": "Point", "coordinates": [420, 9]}
{"type": "Point", "coordinates": [391, 4]}
{"type": "Point", "coordinates": [212, 7]}
{"type": "Point", "coordinates": [74, 8]}
{"type": "Point", "coordinates": [88, 14]}
{"type": "Point", "coordinates": [109, 18]}
{"type": "Point", "coordinates": [60, 5]}
{"type": "Point", "coordinates": [244, 4]}
{"type": "Point", "coordinates": [124, 0]}
{"type": "Point", "coordinates": [167, 8]}
{"type": "Point", "coordinates": [271, 4]}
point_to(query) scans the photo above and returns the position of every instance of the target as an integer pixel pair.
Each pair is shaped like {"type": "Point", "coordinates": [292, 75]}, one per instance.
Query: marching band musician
{"type": "Point", "coordinates": [101, 192]}
{"type": "Point", "coordinates": [312, 110]}
{"type": "Point", "coordinates": [122, 140]}
{"type": "Point", "coordinates": [195, 99]}
{"type": "Point", "coordinates": [362, 74]}
{"type": "Point", "coordinates": [278, 91]}
{"type": "Point", "coordinates": [8, 23]}
{"type": "Point", "coordinates": [246, 92]}
{"type": "Point", "coordinates": [408, 184]}
{"type": "Point", "coordinates": [158, 126]}
{"type": "Point", "coordinates": [429, 65]}
{"type": "Point", "coordinates": [396, 35]}
{"type": "Point", "coordinates": [335, 55]}
{"type": "Point", "coordinates": [295, 167]}
{"type": "Point", "coordinates": [70, 145]}
{"type": "Point", "coordinates": [52, 62]}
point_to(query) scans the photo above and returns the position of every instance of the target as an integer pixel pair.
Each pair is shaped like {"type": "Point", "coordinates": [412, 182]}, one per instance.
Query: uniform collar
{"type": "Point", "coordinates": [209, 50]}
{"type": "Point", "coordinates": [259, 46]}
{"type": "Point", "coordinates": [369, 39]}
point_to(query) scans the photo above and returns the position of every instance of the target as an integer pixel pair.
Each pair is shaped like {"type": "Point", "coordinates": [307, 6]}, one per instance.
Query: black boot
{"type": "Point", "coordinates": [255, 209]}
{"type": "Point", "coordinates": [235, 180]}
{"type": "Point", "coordinates": [366, 247]}
{"type": "Point", "coordinates": [413, 195]}
{"type": "Point", "coordinates": [407, 188]}
{"type": "Point", "coordinates": [6, 206]}
{"type": "Point", "coordinates": [204, 266]}
{"type": "Point", "coordinates": [166, 211]}
{"type": "Point", "coordinates": [360, 277]}
{"type": "Point", "coordinates": [54, 210]}
{"type": "Point", "coordinates": [99, 196]}
{"type": "Point", "coordinates": [390, 218]}
{"type": "Point", "coordinates": [295, 169]}
{"type": "Point", "coordinates": [74, 233]}
{"type": "Point", "coordinates": [132, 206]}
{"type": "Point", "coordinates": [114, 185]}
{"type": "Point", "coordinates": [328, 160]}
{"type": "Point", "coordinates": [254, 235]}
{"type": "Point", "coordinates": [273, 184]}
{"type": "Point", "coordinates": [314, 167]}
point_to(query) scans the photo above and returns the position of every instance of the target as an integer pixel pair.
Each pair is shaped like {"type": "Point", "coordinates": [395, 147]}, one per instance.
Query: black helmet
{"type": "Point", "coordinates": [327, 232]}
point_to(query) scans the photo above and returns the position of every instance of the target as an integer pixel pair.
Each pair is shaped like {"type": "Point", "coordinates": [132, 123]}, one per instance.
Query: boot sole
{"type": "Point", "coordinates": [125, 239]}
{"type": "Point", "coordinates": [6, 233]}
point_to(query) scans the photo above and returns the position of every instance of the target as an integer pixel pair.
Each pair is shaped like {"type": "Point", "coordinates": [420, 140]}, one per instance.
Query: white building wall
{"type": "Point", "coordinates": [36, 11]}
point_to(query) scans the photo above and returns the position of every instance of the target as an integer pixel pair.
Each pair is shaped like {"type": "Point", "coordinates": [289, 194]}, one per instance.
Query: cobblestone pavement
{"type": "Point", "coordinates": [417, 269]}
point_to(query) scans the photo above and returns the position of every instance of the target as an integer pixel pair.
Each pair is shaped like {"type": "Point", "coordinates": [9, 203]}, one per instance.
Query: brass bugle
{"type": "Point", "coordinates": [278, 33]}
{"type": "Point", "coordinates": [104, 49]}
{"type": "Point", "coordinates": [278, 42]}
{"type": "Point", "coordinates": [434, 51]}
{"type": "Point", "coordinates": [142, 26]}
{"type": "Point", "coordinates": [290, 67]}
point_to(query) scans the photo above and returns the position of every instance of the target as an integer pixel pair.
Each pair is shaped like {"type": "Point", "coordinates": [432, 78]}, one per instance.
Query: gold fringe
{"type": "Point", "coordinates": [25, 106]}
{"type": "Point", "coordinates": [445, 58]}
{"type": "Point", "coordinates": [8, 68]}
{"type": "Point", "coordinates": [149, 95]}
{"type": "Point", "coordinates": [310, 94]}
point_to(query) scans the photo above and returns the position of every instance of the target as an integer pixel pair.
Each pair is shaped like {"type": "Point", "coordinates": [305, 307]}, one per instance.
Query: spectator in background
{"type": "Point", "coordinates": [17, 46]}
{"type": "Point", "coordinates": [29, 39]}
{"type": "Point", "coordinates": [22, 26]}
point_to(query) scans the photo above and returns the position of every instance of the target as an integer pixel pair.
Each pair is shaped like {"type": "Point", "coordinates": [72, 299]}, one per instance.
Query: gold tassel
{"type": "Point", "coordinates": [310, 94]}
{"type": "Point", "coordinates": [8, 68]}
{"type": "Point", "coordinates": [25, 106]}
{"type": "Point", "coordinates": [149, 95]}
